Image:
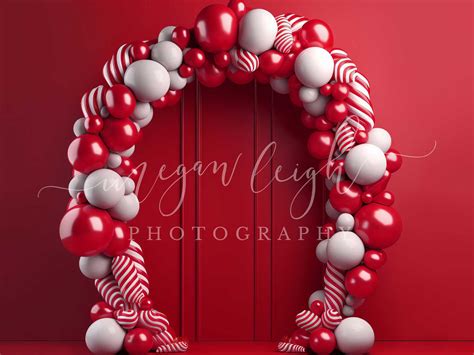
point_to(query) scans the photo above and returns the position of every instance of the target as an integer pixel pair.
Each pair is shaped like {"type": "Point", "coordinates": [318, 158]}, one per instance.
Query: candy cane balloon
{"type": "Point", "coordinates": [135, 253]}
{"type": "Point", "coordinates": [178, 347]}
{"type": "Point", "coordinates": [114, 69]}
{"type": "Point", "coordinates": [334, 289]}
{"type": "Point", "coordinates": [93, 102]}
{"type": "Point", "coordinates": [285, 347]}
{"type": "Point", "coordinates": [109, 289]}
{"type": "Point", "coordinates": [284, 38]}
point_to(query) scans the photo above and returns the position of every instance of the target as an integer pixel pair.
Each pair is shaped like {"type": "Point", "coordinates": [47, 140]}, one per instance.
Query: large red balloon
{"type": "Point", "coordinates": [316, 33]}
{"type": "Point", "coordinates": [215, 28]}
{"type": "Point", "coordinates": [101, 310]}
{"type": "Point", "coordinates": [120, 101]}
{"type": "Point", "coordinates": [120, 240]}
{"type": "Point", "coordinates": [138, 341]}
{"type": "Point", "coordinates": [361, 281]}
{"type": "Point", "coordinates": [346, 197]}
{"type": "Point", "coordinates": [87, 153]}
{"type": "Point", "coordinates": [378, 226]}
{"type": "Point", "coordinates": [86, 230]}
{"type": "Point", "coordinates": [119, 135]}
{"type": "Point", "coordinates": [270, 61]}
{"type": "Point", "coordinates": [320, 144]}
{"type": "Point", "coordinates": [322, 341]}
{"type": "Point", "coordinates": [209, 75]}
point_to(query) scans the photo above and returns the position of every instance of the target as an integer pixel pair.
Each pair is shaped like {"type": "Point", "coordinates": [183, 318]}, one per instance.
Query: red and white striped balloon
{"type": "Point", "coordinates": [245, 60]}
{"type": "Point", "coordinates": [109, 289]}
{"type": "Point", "coordinates": [114, 69]}
{"type": "Point", "coordinates": [127, 318]}
{"type": "Point", "coordinates": [307, 320]}
{"type": "Point", "coordinates": [334, 289]}
{"type": "Point", "coordinates": [124, 271]}
{"type": "Point", "coordinates": [284, 38]}
{"type": "Point", "coordinates": [178, 347]}
{"type": "Point", "coordinates": [285, 347]}
{"type": "Point", "coordinates": [135, 253]}
{"type": "Point", "coordinates": [162, 338]}
{"type": "Point", "coordinates": [93, 102]}
{"type": "Point", "coordinates": [331, 319]}
{"type": "Point", "coordinates": [296, 21]}
{"type": "Point", "coordinates": [153, 320]}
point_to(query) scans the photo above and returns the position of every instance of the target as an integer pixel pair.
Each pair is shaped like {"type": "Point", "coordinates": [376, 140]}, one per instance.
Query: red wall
{"type": "Point", "coordinates": [418, 56]}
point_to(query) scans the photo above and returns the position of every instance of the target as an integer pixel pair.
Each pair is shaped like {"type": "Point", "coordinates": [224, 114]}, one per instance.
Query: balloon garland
{"type": "Point", "coordinates": [296, 57]}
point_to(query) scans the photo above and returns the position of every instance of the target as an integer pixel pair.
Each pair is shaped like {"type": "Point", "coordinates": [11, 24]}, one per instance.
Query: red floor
{"type": "Point", "coordinates": [384, 347]}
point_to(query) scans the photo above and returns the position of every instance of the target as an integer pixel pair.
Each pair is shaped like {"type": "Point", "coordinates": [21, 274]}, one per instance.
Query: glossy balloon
{"type": "Point", "coordinates": [317, 33]}
{"type": "Point", "coordinates": [209, 75]}
{"type": "Point", "coordinates": [375, 259]}
{"type": "Point", "coordinates": [101, 310]}
{"type": "Point", "coordinates": [354, 336]}
{"type": "Point", "coordinates": [105, 336]}
{"type": "Point", "coordinates": [336, 111]}
{"type": "Point", "coordinates": [299, 337]}
{"type": "Point", "coordinates": [93, 124]}
{"type": "Point", "coordinates": [138, 341]}
{"type": "Point", "coordinates": [361, 281]}
{"type": "Point", "coordinates": [181, 37]}
{"type": "Point", "coordinates": [238, 76]}
{"type": "Point", "coordinates": [257, 31]}
{"type": "Point", "coordinates": [270, 61]}
{"type": "Point", "coordinates": [139, 51]}
{"type": "Point", "coordinates": [239, 7]}
{"type": "Point", "coordinates": [195, 58]}
{"type": "Point", "coordinates": [96, 266]}
{"type": "Point", "coordinates": [394, 160]}
{"type": "Point", "coordinates": [120, 240]}
{"type": "Point", "coordinates": [87, 153]}
{"type": "Point", "coordinates": [317, 307]}
{"type": "Point", "coordinates": [346, 197]}
{"type": "Point", "coordinates": [322, 341]}
{"type": "Point", "coordinates": [384, 198]}
{"type": "Point", "coordinates": [119, 101]}
{"type": "Point", "coordinates": [119, 135]}
{"type": "Point", "coordinates": [148, 80]}
{"type": "Point", "coordinates": [320, 144]}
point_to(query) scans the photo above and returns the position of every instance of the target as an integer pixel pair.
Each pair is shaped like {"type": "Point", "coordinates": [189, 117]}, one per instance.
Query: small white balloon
{"type": "Point", "coordinates": [79, 129]}
{"type": "Point", "coordinates": [317, 108]}
{"type": "Point", "coordinates": [177, 82]}
{"type": "Point", "coordinates": [380, 138]}
{"type": "Point", "coordinates": [345, 222]}
{"type": "Point", "coordinates": [104, 188]}
{"type": "Point", "coordinates": [129, 185]}
{"type": "Point", "coordinates": [141, 111]}
{"type": "Point", "coordinates": [76, 185]}
{"type": "Point", "coordinates": [95, 267]}
{"type": "Point", "coordinates": [354, 302]}
{"type": "Point", "coordinates": [331, 211]}
{"type": "Point", "coordinates": [148, 80]}
{"type": "Point", "coordinates": [308, 95]}
{"type": "Point", "coordinates": [280, 85]}
{"type": "Point", "coordinates": [348, 311]}
{"type": "Point", "coordinates": [126, 209]}
{"type": "Point", "coordinates": [128, 153]}
{"type": "Point", "coordinates": [168, 54]}
{"type": "Point", "coordinates": [257, 31]}
{"type": "Point", "coordinates": [114, 160]}
{"type": "Point", "coordinates": [354, 336]}
{"type": "Point", "coordinates": [365, 164]}
{"type": "Point", "coordinates": [165, 33]}
{"type": "Point", "coordinates": [314, 67]}
{"type": "Point", "coordinates": [105, 336]}
{"type": "Point", "coordinates": [146, 121]}
{"type": "Point", "coordinates": [316, 295]}
{"type": "Point", "coordinates": [321, 251]}
{"type": "Point", "coordinates": [345, 250]}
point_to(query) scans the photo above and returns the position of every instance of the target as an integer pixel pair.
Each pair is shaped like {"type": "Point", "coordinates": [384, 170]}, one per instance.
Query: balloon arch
{"type": "Point", "coordinates": [296, 56]}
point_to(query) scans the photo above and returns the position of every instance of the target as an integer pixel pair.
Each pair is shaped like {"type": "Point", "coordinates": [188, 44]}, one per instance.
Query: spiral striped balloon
{"type": "Point", "coordinates": [346, 131]}
{"type": "Point", "coordinates": [135, 253]}
{"type": "Point", "coordinates": [245, 60]}
{"type": "Point", "coordinates": [114, 69]}
{"type": "Point", "coordinates": [344, 70]}
{"type": "Point", "coordinates": [128, 319]}
{"type": "Point", "coordinates": [93, 102]}
{"type": "Point", "coordinates": [162, 338]}
{"type": "Point", "coordinates": [124, 271]}
{"type": "Point", "coordinates": [153, 320]}
{"type": "Point", "coordinates": [334, 289]}
{"type": "Point", "coordinates": [284, 38]}
{"type": "Point", "coordinates": [178, 347]}
{"type": "Point", "coordinates": [285, 347]}
{"type": "Point", "coordinates": [296, 21]}
{"type": "Point", "coordinates": [109, 289]}
{"type": "Point", "coordinates": [331, 318]}
{"type": "Point", "coordinates": [307, 320]}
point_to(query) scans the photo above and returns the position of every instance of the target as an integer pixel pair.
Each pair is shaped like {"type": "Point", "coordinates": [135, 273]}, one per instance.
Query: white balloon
{"type": "Point", "coordinates": [127, 208]}
{"type": "Point", "coordinates": [348, 311]}
{"type": "Point", "coordinates": [354, 302]}
{"type": "Point", "coordinates": [128, 153]}
{"type": "Point", "coordinates": [114, 160]}
{"type": "Point", "coordinates": [129, 185]}
{"type": "Point", "coordinates": [314, 67]}
{"type": "Point", "coordinates": [345, 250]}
{"type": "Point", "coordinates": [168, 54]}
{"type": "Point", "coordinates": [321, 251]}
{"type": "Point", "coordinates": [76, 185]}
{"type": "Point", "coordinates": [316, 295]}
{"type": "Point", "coordinates": [354, 336]}
{"type": "Point", "coordinates": [365, 164]}
{"type": "Point", "coordinates": [141, 111]}
{"type": "Point", "coordinates": [146, 121]}
{"type": "Point", "coordinates": [95, 267]}
{"type": "Point", "coordinates": [177, 82]}
{"type": "Point", "coordinates": [257, 31]}
{"type": "Point", "coordinates": [165, 33]}
{"type": "Point", "coordinates": [280, 85]}
{"type": "Point", "coordinates": [105, 336]}
{"type": "Point", "coordinates": [79, 129]}
{"type": "Point", "coordinates": [308, 95]}
{"type": "Point", "coordinates": [104, 188]}
{"type": "Point", "coordinates": [331, 211]}
{"type": "Point", "coordinates": [316, 108]}
{"type": "Point", "coordinates": [345, 222]}
{"type": "Point", "coordinates": [381, 138]}
{"type": "Point", "coordinates": [148, 80]}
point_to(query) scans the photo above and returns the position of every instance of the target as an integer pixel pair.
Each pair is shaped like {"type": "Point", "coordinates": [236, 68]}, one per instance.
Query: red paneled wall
{"type": "Point", "coordinates": [418, 56]}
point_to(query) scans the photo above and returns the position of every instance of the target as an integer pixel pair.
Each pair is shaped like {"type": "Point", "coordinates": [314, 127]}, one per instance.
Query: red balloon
{"type": "Point", "coordinates": [195, 58]}
{"type": "Point", "coordinates": [322, 124]}
{"type": "Point", "coordinates": [375, 259]}
{"type": "Point", "coordinates": [361, 137]}
{"type": "Point", "coordinates": [367, 197]}
{"type": "Point", "coordinates": [299, 337]}
{"type": "Point", "coordinates": [378, 226]}
{"type": "Point", "coordinates": [384, 198]}
{"type": "Point", "coordinates": [173, 97]}
{"type": "Point", "coordinates": [126, 168]}
{"type": "Point", "coordinates": [361, 281]}
{"type": "Point", "coordinates": [340, 91]}
{"type": "Point", "coordinates": [87, 153]}
{"type": "Point", "coordinates": [120, 240]}
{"type": "Point", "coordinates": [309, 121]}
{"type": "Point", "coordinates": [297, 47]}
{"type": "Point", "coordinates": [215, 28]}
{"type": "Point", "coordinates": [346, 197]}
{"type": "Point", "coordinates": [209, 75]}
{"type": "Point", "coordinates": [222, 59]}
{"type": "Point", "coordinates": [238, 76]}
{"type": "Point", "coordinates": [293, 83]}
{"type": "Point", "coordinates": [336, 111]}
{"type": "Point", "coordinates": [394, 160]}
{"type": "Point", "coordinates": [287, 67]}
{"type": "Point", "coordinates": [320, 144]}
{"type": "Point", "coordinates": [295, 98]}
{"type": "Point", "coordinates": [181, 36]}
{"type": "Point", "coordinates": [86, 230]}
{"type": "Point", "coordinates": [138, 341]}
{"type": "Point", "coordinates": [120, 101]}
{"type": "Point", "coordinates": [239, 7]}
{"type": "Point", "coordinates": [140, 50]}
{"type": "Point", "coordinates": [325, 90]}
{"type": "Point", "coordinates": [101, 310]}
{"type": "Point", "coordinates": [185, 71]}
{"type": "Point", "coordinates": [146, 303]}
{"type": "Point", "coordinates": [322, 341]}
{"type": "Point", "coordinates": [317, 307]}
{"type": "Point", "coordinates": [93, 124]}
{"type": "Point", "coordinates": [119, 135]}
{"type": "Point", "coordinates": [316, 33]}
{"type": "Point", "coordinates": [380, 185]}
{"type": "Point", "coordinates": [270, 61]}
